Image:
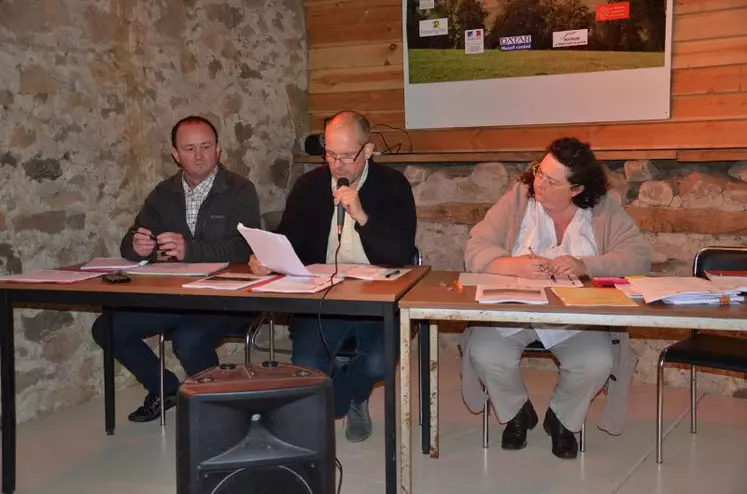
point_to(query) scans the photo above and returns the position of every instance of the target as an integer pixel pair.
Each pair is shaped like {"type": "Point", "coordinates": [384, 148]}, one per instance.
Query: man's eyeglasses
{"type": "Point", "coordinates": [347, 159]}
{"type": "Point", "coordinates": [547, 181]}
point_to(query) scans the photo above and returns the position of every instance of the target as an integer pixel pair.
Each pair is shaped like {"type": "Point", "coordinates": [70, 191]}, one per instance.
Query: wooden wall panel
{"type": "Point", "coordinates": [355, 61]}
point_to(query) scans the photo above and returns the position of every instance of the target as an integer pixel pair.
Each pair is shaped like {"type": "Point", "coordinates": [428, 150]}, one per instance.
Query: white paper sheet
{"type": "Point", "coordinates": [227, 281]}
{"type": "Point", "coordinates": [296, 284]}
{"type": "Point", "coordinates": [358, 271]}
{"type": "Point", "coordinates": [179, 268]}
{"type": "Point", "coordinates": [110, 264]}
{"type": "Point", "coordinates": [50, 276]}
{"type": "Point", "coordinates": [274, 251]}
{"type": "Point", "coordinates": [476, 279]}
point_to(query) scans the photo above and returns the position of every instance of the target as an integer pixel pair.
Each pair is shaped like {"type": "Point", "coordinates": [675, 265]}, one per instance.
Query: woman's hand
{"type": "Point", "coordinates": [567, 265]}
{"type": "Point", "coordinates": [527, 266]}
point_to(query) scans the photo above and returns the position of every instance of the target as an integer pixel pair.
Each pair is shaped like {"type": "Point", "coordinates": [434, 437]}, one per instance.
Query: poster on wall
{"type": "Point", "coordinates": [519, 62]}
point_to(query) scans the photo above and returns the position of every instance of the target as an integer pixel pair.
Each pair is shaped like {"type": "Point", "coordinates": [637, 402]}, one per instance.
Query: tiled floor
{"type": "Point", "coordinates": [69, 453]}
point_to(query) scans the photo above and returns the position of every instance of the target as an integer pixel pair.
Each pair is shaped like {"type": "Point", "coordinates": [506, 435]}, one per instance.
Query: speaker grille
{"type": "Point", "coordinates": [291, 478]}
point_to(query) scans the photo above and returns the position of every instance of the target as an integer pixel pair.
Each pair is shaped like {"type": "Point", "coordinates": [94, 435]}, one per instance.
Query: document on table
{"type": "Point", "coordinates": [179, 268]}
{"type": "Point", "coordinates": [51, 276]}
{"type": "Point", "coordinates": [274, 251]}
{"type": "Point", "coordinates": [111, 264]}
{"type": "Point", "coordinates": [228, 281]}
{"type": "Point", "coordinates": [593, 297]}
{"type": "Point", "coordinates": [496, 295]}
{"type": "Point", "coordinates": [358, 271]}
{"type": "Point", "coordinates": [476, 279]}
{"type": "Point", "coordinates": [297, 284]}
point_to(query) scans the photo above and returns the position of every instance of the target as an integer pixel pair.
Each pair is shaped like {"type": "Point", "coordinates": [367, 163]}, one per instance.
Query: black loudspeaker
{"type": "Point", "coordinates": [252, 429]}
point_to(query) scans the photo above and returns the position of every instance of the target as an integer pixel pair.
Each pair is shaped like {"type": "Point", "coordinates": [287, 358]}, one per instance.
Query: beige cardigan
{"type": "Point", "coordinates": [623, 251]}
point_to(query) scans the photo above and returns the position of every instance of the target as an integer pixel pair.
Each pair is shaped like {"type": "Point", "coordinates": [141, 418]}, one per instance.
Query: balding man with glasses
{"type": "Point", "coordinates": [378, 228]}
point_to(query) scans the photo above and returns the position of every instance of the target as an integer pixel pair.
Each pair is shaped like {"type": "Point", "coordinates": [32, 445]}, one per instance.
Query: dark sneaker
{"type": "Point", "coordinates": [358, 424]}
{"type": "Point", "coordinates": [151, 408]}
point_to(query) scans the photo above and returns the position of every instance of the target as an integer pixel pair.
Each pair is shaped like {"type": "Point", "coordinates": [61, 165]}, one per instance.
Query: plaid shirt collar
{"type": "Point", "coordinates": [202, 188]}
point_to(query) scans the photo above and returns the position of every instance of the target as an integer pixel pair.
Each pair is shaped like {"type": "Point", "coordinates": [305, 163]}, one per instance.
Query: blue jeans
{"type": "Point", "coordinates": [355, 380]}
{"type": "Point", "coordinates": [193, 337]}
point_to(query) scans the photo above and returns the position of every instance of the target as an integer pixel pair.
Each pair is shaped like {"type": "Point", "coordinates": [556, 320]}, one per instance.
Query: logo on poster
{"type": "Point", "coordinates": [434, 27]}
{"type": "Point", "coordinates": [576, 37]}
{"type": "Point", "coordinates": [474, 34]}
{"type": "Point", "coordinates": [513, 43]}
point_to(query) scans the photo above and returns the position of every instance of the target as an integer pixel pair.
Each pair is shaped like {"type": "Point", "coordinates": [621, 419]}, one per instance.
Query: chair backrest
{"type": "Point", "coordinates": [270, 220]}
{"type": "Point", "coordinates": [416, 259]}
{"type": "Point", "coordinates": [720, 259]}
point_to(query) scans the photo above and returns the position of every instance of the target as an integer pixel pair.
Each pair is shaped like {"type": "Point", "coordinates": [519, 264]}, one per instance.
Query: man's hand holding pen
{"type": "Point", "coordinates": [171, 246]}
{"type": "Point", "coordinates": [143, 241]}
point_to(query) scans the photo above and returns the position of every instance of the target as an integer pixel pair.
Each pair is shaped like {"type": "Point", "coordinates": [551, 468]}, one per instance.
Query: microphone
{"type": "Point", "coordinates": [340, 208]}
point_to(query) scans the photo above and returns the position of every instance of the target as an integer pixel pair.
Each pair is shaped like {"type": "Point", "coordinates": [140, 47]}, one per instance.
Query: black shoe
{"type": "Point", "coordinates": [515, 433]}
{"type": "Point", "coordinates": [151, 408]}
{"type": "Point", "coordinates": [564, 443]}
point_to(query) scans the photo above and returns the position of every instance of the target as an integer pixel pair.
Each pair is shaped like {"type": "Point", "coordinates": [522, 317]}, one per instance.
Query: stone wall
{"type": "Point", "coordinates": [88, 93]}
{"type": "Point", "coordinates": [680, 207]}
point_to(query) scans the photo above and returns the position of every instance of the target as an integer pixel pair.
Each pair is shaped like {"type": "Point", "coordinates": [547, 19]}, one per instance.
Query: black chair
{"type": "Point", "coordinates": [705, 350]}
{"type": "Point", "coordinates": [535, 347]}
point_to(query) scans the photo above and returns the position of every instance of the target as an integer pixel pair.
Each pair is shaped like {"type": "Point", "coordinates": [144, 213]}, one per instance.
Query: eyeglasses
{"type": "Point", "coordinates": [546, 180]}
{"type": "Point", "coordinates": [347, 159]}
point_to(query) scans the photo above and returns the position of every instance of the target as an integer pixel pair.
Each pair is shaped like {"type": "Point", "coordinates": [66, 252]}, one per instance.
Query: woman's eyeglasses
{"type": "Point", "coordinates": [546, 180]}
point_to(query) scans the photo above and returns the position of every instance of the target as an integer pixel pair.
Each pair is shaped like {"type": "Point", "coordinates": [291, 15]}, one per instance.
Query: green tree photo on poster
{"type": "Point", "coordinates": [524, 38]}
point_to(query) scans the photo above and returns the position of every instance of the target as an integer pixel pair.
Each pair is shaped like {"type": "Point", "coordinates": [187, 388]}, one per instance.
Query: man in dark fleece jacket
{"type": "Point", "coordinates": [379, 228]}
{"type": "Point", "coordinates": [189, 217]}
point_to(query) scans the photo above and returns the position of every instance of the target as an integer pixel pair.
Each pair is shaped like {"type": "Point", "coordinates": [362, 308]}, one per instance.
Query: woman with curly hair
{"type": "Point", "coordinates": [558, 221]}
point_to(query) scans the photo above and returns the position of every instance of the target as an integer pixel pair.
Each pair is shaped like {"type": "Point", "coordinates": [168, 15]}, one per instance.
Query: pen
{"type": "Point", "coordinates": [134, 231]}
{"type": "Point", "coordinates": [392, 273]}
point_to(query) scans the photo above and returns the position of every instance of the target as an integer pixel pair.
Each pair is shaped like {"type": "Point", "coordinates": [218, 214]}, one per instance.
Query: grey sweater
{"type": "Point", "coordinates": [623, 251]}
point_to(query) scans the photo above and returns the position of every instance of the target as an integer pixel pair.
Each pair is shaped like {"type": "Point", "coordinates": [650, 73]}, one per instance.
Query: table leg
{"type": "Point", "coordinates": [405, 417]}
{"type": "Point", "coordinates": [8, 390]}
{"type": "Point", "coordinates": [109, 415]}
{"type": "Point", "coordinates": [390, 400]}
{"type": "Point", "coordinates": [433, 364]}
{"type": "Point", "coordinates": [424, 355]}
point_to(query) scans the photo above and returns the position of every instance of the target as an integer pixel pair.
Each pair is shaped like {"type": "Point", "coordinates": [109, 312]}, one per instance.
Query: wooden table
{"type": "Point", "coordinates": [352, 297]}
{"type": "Point", "coordinates": [437, 297]}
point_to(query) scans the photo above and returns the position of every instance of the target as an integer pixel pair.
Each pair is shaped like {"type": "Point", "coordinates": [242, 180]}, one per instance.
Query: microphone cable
{"type": "Point", "coordinates": [321, 301]}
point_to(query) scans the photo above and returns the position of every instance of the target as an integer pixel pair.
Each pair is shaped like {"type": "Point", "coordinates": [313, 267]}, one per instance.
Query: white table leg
{"type": "Point", "coordinates": [405, 417]}
{"type": "Point", "coordinates": [433, 366]}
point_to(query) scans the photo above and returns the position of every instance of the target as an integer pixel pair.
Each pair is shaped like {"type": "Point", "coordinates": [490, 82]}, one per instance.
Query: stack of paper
{"type": "Point", "coordinates": [179, 268]}
{"type": "Point", "coordinates": [276, 253]}
{"type": "Point", "coordinates": [297, 284]}
{"type": "Point", "coordinates": [684, 290]}
{"type": "Point", "coordinates": [502, 294]}
{"type": "Point", "coordinates": [736, 280]}
{"type": "Point", "coordinates": [50, 276]}
{"type": "Point", "coordinates": [110, 264]}
{"type": "Point", "coordinates": [228, 281]}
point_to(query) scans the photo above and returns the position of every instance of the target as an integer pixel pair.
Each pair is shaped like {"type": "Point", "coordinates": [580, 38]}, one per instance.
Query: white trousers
{"type": "Point", "coordinates": [585, 364]}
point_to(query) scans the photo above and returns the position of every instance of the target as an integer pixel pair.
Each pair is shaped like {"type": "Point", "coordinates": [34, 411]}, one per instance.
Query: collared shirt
{"type": "Point", "coordinates": [351, 248]}
{"type": "Point", "coordinates": [194, 197]}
